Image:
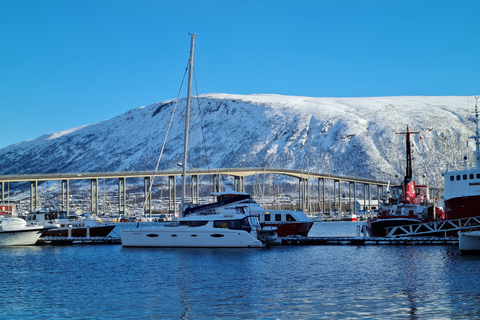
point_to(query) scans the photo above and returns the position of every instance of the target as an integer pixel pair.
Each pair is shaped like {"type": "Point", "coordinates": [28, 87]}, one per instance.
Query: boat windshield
{"type": "Point", "coordinates": [236, 224]}
{"type": "Point", "coordinates": [255, 222]}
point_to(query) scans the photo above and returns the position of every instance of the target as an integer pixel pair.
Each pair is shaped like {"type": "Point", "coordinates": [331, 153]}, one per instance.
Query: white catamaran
{"type": "Point", "coordinates": [233, 228]}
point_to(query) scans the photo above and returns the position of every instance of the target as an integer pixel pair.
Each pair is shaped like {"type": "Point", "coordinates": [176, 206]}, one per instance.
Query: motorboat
{"type": "Point", "coordinates": [16, 232]}
{"type": "Point", "coordinates": [462, 187]}
{"type": "Point", "coordinates": [404, 204]}
{"type": "Point", "coordinates": [469, 242]}
{"type": "Point", "coordinates": [285, 222]}
{"type": "Point", "coordinates": [204, 231]}
{"type": "Point", "coordinates": [233, 228]}
{"type": "Point", "coordinates": [59, 225]}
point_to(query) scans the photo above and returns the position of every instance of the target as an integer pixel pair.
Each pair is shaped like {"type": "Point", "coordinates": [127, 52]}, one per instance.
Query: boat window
{"type": "Point", "coordinates": [267, 216]}
{"type": "Point", "coordinates": [152, 235]}
{"type": "Point", "coordinates": [478, 175]}
{"type": "Point", "coordinates": [290, 218]}
{"type": "Point", "coordinates": [458, 177]}
{"type": "Point", "coordinates": [278, 217]}
{"type": "Point", "coordinates": [216, 235]}
{"type": "Point", "coordinates": [472, 175]}
{"type": "Point", "coordinates": [464, 177]}
{"type": "Point", "coordinates": [193, 223]}
{"type": "Point", "coordinates": [452, 178]}
{"type": "Point", "coordinates": [238, 224]}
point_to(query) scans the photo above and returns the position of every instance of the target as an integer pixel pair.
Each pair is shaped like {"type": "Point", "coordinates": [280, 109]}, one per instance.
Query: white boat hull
{"type": "Point", "coordinates": [20, 237]}
{"type": "Point", "coordinates": [183, 236]}
{"type": "Point", "coordinates": [469, 242]}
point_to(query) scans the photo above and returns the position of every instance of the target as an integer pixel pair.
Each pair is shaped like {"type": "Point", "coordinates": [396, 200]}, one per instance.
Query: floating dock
{"type": "Point", "coordinates": [287, 241]}
{"type": "Point", "coordinates": [78, 240]}
{"type": "Point", "coordinates": [362, 241]}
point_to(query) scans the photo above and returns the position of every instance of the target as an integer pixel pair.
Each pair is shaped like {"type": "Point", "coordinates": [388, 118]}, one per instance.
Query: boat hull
{"type": "Point", "coordinates": [20, 237]}
{"type": "Point", "coordinates": [469, 242]}
{"type": "Point", "coordinates": [182, 237]}
{"type": "Point", "coordinates": [376, 227]}
{"type": "Point", "coordinates": [98, 231]}
{"type": "Point", "coordinates": [462, 207]}
{"type": "Point", "coordinates": [284, 229]}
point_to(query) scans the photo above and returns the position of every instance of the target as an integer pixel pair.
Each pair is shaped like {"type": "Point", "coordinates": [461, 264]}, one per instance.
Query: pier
{"type": "Point", "coordinates": [362, 241]}
{"type": "Point", "coordinates": [78, 240]}
{"type": "Point", "coordinates": [286, 241]}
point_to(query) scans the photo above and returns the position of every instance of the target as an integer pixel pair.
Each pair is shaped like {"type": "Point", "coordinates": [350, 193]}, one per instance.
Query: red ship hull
{"type": "Point", "coordinates": [291, 228]}
{"type": "Point", "coordinates": [464, 207]}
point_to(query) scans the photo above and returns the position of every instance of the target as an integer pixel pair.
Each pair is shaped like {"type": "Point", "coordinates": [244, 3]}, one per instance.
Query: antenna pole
{"type": "Point", "coordinates": [477, 137]}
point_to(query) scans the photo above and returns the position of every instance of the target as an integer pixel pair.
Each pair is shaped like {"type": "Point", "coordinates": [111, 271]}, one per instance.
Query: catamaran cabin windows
{"type": "Point", "coordinates": [267, 216]}
{"type": "Point", "coordinates": [278, 217]}
{"type": "Point", "coordinates": [290, 218]}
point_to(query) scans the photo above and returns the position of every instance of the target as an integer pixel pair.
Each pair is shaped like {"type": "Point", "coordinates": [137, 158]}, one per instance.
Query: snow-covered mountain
{"type": "Point", "coordinates": [345, 136]}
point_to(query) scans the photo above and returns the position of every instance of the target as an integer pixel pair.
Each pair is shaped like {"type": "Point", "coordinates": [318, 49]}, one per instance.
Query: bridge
{"type": "Point", "coordinates": [239, 174]}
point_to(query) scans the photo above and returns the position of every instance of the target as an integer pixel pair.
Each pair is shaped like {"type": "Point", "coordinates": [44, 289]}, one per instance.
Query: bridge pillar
{"type": "Point", "coordinates": [122, 196]}
{"type": "Point", "coordinates": [335, 195]}
{"type": "Point", "coordinates": [239, 183]}
{"type": "Point", "coordinates": [350, 196]}
{"type": "Point", "coordinates": [302, 194]}
{"type": "Point", "coordinates": [355, 209]}
{"type": "Point", "coordinates": [94, 196]}
{"type": "Point", "coordinates": [33, 200]}
{"type": "Point", "coordinates": [216, 183]}
{"type": "Point", "coordinates": [172, 195]}
{"type": "Point", "coordinates": [195, 192]}
{"type": "Point", "coordinates": [65, 196]}
{"type": "Point", "coordinates": [321, 199]}
{"type": "Point", "coordinates": [147, 195]}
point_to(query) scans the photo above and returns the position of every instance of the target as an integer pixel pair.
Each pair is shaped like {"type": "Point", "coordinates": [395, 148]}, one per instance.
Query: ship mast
{"type": "Point", "coordinates": [476, 137]}
{"type": "Point", "coordinates": [187, 121]}
{"type": "Point", "coordinates": [408, 171]}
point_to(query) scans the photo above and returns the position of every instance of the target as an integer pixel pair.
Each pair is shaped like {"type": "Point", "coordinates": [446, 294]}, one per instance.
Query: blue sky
{"type": "Point", "coordinates": [70, 63]}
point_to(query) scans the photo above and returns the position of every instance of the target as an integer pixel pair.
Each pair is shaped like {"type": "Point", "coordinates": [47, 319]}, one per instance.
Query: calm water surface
{"type": "Point", "coordinates": [307, 282]}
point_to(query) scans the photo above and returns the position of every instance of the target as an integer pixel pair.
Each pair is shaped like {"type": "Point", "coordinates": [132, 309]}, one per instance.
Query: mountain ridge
{"type": "Point", "coordinates": [344, 136]}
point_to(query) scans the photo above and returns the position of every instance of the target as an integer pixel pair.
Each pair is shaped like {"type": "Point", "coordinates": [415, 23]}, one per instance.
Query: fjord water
{"type": "Point", "coordinates": [286, 282]}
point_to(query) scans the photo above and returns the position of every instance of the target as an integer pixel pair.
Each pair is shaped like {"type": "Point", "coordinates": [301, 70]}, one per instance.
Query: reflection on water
{"type": "Point", "coordinates": [291, 282]}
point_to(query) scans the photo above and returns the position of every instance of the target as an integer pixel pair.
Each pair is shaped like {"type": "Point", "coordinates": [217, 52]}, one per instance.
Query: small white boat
{"type": "Point", "coordinates": [16, 232]}
{"type": "Point", "coordinates": [469, 242]}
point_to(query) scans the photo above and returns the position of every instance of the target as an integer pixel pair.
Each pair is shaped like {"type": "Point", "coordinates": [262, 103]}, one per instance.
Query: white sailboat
{"type": "Point", "coordinates": [236, 228]}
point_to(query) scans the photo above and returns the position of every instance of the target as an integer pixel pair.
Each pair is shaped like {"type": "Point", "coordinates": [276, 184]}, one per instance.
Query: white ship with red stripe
{"type": "Point", "coordinates": [462, 187]}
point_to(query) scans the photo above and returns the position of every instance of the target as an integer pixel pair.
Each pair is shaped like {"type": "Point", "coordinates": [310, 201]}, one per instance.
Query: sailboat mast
{"type": "Point", "coordinates": [187, 123]}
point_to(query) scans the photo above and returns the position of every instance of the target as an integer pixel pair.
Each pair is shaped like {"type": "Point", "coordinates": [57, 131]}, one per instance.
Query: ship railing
{"type": "Point", "coordinates": [434, 227]}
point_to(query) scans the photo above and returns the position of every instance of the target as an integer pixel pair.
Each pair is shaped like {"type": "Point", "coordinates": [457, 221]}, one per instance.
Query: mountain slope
{"type": "Point", "coordinates": [347, 136]}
